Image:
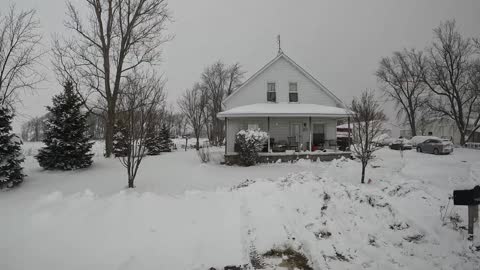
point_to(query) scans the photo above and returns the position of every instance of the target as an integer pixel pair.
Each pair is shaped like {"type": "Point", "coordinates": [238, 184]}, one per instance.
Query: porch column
{"type": "Point", "coordinates": [268, 131]}
{"type": "Point", "coordinates": [226, 134]}
{"type": "Point", "coordinates": [348, 120]}
{"type": "Point", "coordinates": [310, 133]}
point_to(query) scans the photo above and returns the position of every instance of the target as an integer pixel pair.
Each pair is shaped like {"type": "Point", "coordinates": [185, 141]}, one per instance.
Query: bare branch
{"type": "Point", "coordinates": [19, 53]}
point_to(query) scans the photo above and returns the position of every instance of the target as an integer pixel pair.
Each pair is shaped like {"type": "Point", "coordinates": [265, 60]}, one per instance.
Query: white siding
{"type": "Point", "coordinates": [282, 73]}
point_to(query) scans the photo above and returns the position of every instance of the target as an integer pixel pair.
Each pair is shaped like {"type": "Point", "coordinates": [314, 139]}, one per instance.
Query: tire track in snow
{"type": "Point", "coordinates": [248, 234]}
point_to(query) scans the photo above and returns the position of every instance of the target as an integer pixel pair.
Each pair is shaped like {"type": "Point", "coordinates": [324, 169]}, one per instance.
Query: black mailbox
{"type": "Point", "coordinates": [467, 197]}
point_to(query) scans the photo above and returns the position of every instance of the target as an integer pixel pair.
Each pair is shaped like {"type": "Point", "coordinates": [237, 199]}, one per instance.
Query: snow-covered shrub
{"type": "Point", "coordinates": [11, 171]}
{"type": "Point", "coordinates": [250, 142]}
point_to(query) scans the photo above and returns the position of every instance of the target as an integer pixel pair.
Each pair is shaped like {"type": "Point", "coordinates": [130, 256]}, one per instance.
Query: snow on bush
{"type": "Point", "coordinates": [250, 142]}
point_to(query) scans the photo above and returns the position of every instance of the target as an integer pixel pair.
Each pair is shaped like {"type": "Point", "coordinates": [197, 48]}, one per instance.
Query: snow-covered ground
{"type": "Point", "coordinates": [187, 215]}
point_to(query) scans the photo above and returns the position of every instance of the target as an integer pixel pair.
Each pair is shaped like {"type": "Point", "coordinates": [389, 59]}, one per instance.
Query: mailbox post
{"type": "Point", "coordinates": [471, 198]}
{"type": "Point", "coordinates": [186, 141]}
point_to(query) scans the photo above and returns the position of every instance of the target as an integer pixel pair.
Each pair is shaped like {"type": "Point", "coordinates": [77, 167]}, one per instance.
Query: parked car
{"type": "Point", "coordinates": [383, 140]}
{"type": "Point", "coordinates": [401, 144]}
{"type": "Point", "coordinates": [435, 146]}
{"type": "Point", "coordinates": [419, 139]}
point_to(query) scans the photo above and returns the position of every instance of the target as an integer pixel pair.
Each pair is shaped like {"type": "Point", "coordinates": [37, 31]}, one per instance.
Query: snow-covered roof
{"type": "Point", "coordinates": [284, 110]}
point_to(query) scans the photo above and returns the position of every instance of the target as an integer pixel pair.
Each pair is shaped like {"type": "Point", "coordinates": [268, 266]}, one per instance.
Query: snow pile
{"type": "Point", "coordinates": [340, 226]}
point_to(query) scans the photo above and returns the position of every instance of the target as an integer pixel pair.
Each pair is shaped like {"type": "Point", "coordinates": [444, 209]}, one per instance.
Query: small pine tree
{"type": "Point", "coordinates": [152, 141]}
{"type": "Point", "coordinates": [165, 141]}
{"type": "Point", "coordinates": [66, 136]}
{"type": "Point", "coordinates": [11, 171]}
{"type": "Point", "coordinates": [120, 139]}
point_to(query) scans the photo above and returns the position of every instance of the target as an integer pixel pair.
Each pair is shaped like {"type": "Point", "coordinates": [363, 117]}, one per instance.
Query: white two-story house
{"type": "Point", "coordinates": [296, 110]}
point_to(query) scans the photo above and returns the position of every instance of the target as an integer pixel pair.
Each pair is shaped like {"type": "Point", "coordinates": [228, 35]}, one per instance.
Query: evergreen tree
{"type": "Point", "coordinates": [66, 136]}
{"type": "Point", "coordinates": [120, 139]}
{"type": "Point", "coordinates": [152, 141]}
{"type": "Point", "coordinates": [11, 171]}
{"type": "Point", "coordinates": [165, 141]}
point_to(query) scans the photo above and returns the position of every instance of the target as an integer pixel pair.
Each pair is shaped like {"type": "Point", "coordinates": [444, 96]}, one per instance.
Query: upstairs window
{"type": "Point", "coordinates": [292, 92]}
{"type": "Point", "coordinates": [271, 93]}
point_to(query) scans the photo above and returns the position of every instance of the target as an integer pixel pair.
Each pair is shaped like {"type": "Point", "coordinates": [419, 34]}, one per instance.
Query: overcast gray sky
{"type": "Point", "coordinates": [338, 42]}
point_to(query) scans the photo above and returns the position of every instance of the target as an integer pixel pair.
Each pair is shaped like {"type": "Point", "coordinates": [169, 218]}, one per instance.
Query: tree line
{"type": "Point", "coordinates": [201, 103]}
{"type": "Point", "coordinates": [441, 81]}
{"type": "Point", "coordinates": [34, 129]}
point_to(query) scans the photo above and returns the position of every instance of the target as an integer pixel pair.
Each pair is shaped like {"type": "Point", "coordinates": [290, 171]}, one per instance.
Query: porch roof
{"type": "Point", "coordinates": [284, 110]}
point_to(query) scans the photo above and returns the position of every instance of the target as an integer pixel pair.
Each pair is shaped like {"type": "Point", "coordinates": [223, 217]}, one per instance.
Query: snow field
{"type": "Point", "coordinates": [188, 215]}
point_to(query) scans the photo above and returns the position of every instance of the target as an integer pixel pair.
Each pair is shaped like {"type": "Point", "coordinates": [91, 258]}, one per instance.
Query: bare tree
{"type": "Point", "coordinates": [402, 83]}
{"type": "Point", "coordinates": [33, 130]}
{"type": "Point", "coordinates": [451, 76]}
{"type": "Point", "coordinates": [368, 118]}
{"type": "Point", "coordinates": [424, 120]}
{"type": "Point", "coordinates": [141, 98]}
{"type": "Point", "coordinates": [219, 81]}
{"type": "Point", "coordinates": [19, 53]}
{"type": "Point", "coordinates": [111, 39]}
{"type": "Point", "coordinates": [192, 104]}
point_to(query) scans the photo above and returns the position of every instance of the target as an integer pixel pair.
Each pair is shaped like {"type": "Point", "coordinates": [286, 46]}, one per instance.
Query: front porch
{"type": "Point", "coordinates": [290, 138]}
{"type": "Point", "coordinates": [295, 131]}
{"type": "Point", "coordinates": [297, 134]}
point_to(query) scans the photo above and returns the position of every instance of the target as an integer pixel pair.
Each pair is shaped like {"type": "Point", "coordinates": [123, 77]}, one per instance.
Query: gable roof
{"type": "Point", "coordinates": [299, 68]}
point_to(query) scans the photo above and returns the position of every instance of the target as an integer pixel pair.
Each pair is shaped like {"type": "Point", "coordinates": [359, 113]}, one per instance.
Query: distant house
{"type": "Point", "coordinates": [296, 110]}
{"type": "Point", "coordinates": [345, 131]}
{"type": "Point", "coordinates": [442, 128]}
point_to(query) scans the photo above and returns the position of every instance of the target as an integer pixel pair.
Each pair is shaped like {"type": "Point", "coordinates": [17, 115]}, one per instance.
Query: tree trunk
{"type": "Point", "coordinates": [363, 172]}
{"type": "Point", "coordinates": [462, 138]}
{"type": "Point", "coordinates": [109, 124]}
{"type": "Point", "coordinates": [197, 144]}
{"type": "Point", "coordinates": [413, 128]}
{"type": "Point", "coordinates": [130, 182]}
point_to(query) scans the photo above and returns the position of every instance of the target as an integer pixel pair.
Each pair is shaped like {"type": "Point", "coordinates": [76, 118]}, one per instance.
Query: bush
{"type": "Point", "coordinates": [250, 142]}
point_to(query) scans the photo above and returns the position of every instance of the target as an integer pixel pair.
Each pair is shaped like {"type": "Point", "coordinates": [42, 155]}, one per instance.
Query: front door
{"type": "Point", "coordinates": [296, 133]}
{"type": "Point", "coordinates": [318, 134]}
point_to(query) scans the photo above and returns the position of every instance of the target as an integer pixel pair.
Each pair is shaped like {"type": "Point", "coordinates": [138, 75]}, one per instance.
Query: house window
{"type": "Point", "coordinates": [252, 126]}
{"type": "Point", "coordinates": [292, 92]}
{"type": "Point", "coordinates": [271, 93]}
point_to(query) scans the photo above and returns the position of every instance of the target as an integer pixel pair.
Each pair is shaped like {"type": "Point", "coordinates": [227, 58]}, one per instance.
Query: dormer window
{"type": "Point", "coordinates": [271, 92]}
{"type": "Point", "coordinates": [292, 92]}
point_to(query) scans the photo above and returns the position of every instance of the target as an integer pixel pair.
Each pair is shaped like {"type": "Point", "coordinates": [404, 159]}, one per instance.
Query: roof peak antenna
{"type": "Point", "coordinates": [279, 45]}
